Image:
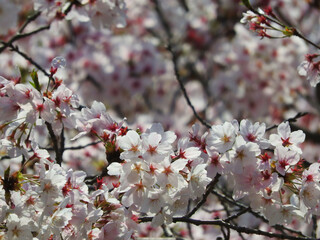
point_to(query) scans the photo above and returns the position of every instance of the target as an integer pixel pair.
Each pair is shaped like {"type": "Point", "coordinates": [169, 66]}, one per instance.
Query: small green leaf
{"type": "Point", "coordinates": [247, 4]}
{"type": "Point", "coordinates": [34, 76]}
{"type": "Point", "coordinates": [32, 84]}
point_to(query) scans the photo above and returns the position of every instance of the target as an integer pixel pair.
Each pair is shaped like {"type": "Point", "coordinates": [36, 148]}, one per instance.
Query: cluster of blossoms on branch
{"type": "Point", "coordinates": [156, 176]}
{"type": "Point", "coordinates": [266, 24]}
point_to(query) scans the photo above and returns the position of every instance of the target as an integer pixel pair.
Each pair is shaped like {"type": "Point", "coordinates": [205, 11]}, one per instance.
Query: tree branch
{"type": "Point", "coordinates": [314, 226]}
{"type": "Point", "coordinates": [29, 20]}
{"type": "Point", "coordinates": [231, 226]}
{"type": "Point", "coordinates": [25, 56]}
{"type": "Point", "coordinates": [257, 215]}
{"type": "Point", "coordinates": [20, 36]}
{"type": "Point", "coordinates": [290, 120]}
{"type": "Point", "coordinates": [205, 196]}
{"type": "Point", "coordinates": [55, 143]}
{"type": "Point", "coordinates": [171, 49]}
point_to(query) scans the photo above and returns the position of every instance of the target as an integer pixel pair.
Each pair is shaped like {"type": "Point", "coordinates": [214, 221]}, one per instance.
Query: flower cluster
{"type": "Point", "coordinates": [157, 176]}
{"type": "Point", "coordinates": [56, 203]}
{"type": "Point", "coordinates": [267, 179]}
{"type": "Point", "coordinates": [101, 13]}
{"type": "Point", "coordinates": [154, 179]}
{"type": "Point", "coordinates": [264, 22]}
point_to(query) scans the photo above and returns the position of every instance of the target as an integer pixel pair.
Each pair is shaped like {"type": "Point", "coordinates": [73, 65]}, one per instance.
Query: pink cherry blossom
{"type": "Point", "coordinates": [288, 139]}
{"type": "Point", "coordinates": [222, 137]}
{"type": "Point", "coordinates": [285, 158]}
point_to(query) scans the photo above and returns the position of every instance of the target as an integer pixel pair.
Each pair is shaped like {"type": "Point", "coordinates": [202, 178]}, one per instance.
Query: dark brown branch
{"type": "Point", "coordinates": [257, 215]}
{"type": "Point", "coordinates": [55, 143]}
{"type": "Point", "coordinates": [62, 141]}
{"type": "Point", "coordinates": [231, 226]}
{"type": "Point", "coordinates": [314, 226]}
{"type": "Point", "coordinates": [290, 120]}
{"type": "Point", "coordinates": [205, 196]}
{"type": "Point", "coordinates": [188, 224]}
{"type": "Point", "coordinates": [239, 228]}
{"type": "Point", "coordinates": [76, 147]}
{"type": "Point", "coordinates": [4, 158]}
{"type": "Point", "coordinates": [184, 4]}
{"type": "Point", "coordinates": [29, 20]}
{"type": "Point", "coordinates": [236, 215]}
{"type": "Point", "coordinates": [25, 56]}
{"type": "Point", "coordinates": [84, 146]}
{"type": "Point", "coordinates": [232, 217]}
{"type": "Point", "coordinates": [20, 36]}
{"type": "Point", "coordinates": [298, 34]}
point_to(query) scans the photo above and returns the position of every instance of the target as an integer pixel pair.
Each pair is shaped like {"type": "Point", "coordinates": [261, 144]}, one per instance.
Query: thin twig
{"type": "Point", "coordinates": [29, 20]}
{"type": "Point", "coordinates": [257, 215]}
{"type": "Point", "coordinates": [205, 196]}
{"type": "Point", "coordinates": [226, 209]}
{"type": "Point", "coordinates": [188, 224]}
{"type": "Point", "coordinates": [234, 216]}
{"type": "Point", "coordinates": [222, 229]}
{"type": "Point", "coordinates": [20, 36]}
{"type": "Point", "coordinates": [298, 34]}
{"type": "Point", "coordinates": [55, 143]}
{"type": "Point", "coordinates": [62, 141]}
{"type": "Point", "coordinates": [184, 4]}
{"type": "Point", "coordinates": [314, 226]}
{"type": "Point", "coordinates": [25, 56]}
{"type": "Point", "coordinates": [231, 226]}
{"type": "Point", "coordinates": [171, 49]}
{"type": "Point", "coordinates": [76, 147]}
{"type": "Point", "coordinates": [295, 31]}
{"type": "Point", "coordinates": [290, 120]}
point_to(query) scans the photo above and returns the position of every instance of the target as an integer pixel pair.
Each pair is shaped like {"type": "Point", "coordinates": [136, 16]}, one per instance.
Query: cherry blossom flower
{"type": "Point", "coordinates": [215, 163]}
{"type": "Point", "coordinates": [286, 138]}
{"type": "Point", "coordinates": [105, 13]}
{"type": "Point", "coordinates": [154, 148]}
{"type": "Point", "coordinates": [310, 195]}
{"type": "Point", "coordinates": [186, 150]}
{"type": "Point", "coordinates": [222, 137]}
{"type": "Point", "coordinates": [312, 174]}
{"type": "Point", "coordinates": [18, 228]}
{"type": "Point", "coordinates": [131, 144]}
{"type": "Point", "coordinates": [198, 180]}
{"type": "Point", "coordinates": [254, 133]}
{"type": "Point", "coordinates": [52, 182]}
{"type": "Point", "coordinates": [154, 202]}
{"type": "Point", "coordinates": [9, 109]}
{"type": "Point", "coordinates": [310, 69]}
{"type": "Point", "coordinates": [285, 158]}
{"type": "Point", "coordinates": [169, 173]}
{"type": "Point", "coordinates": [243, 154]}
{"type": "Point", "coordinates": [248, 17]}
{"type": "Point", "coordinates": [280, 214]}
